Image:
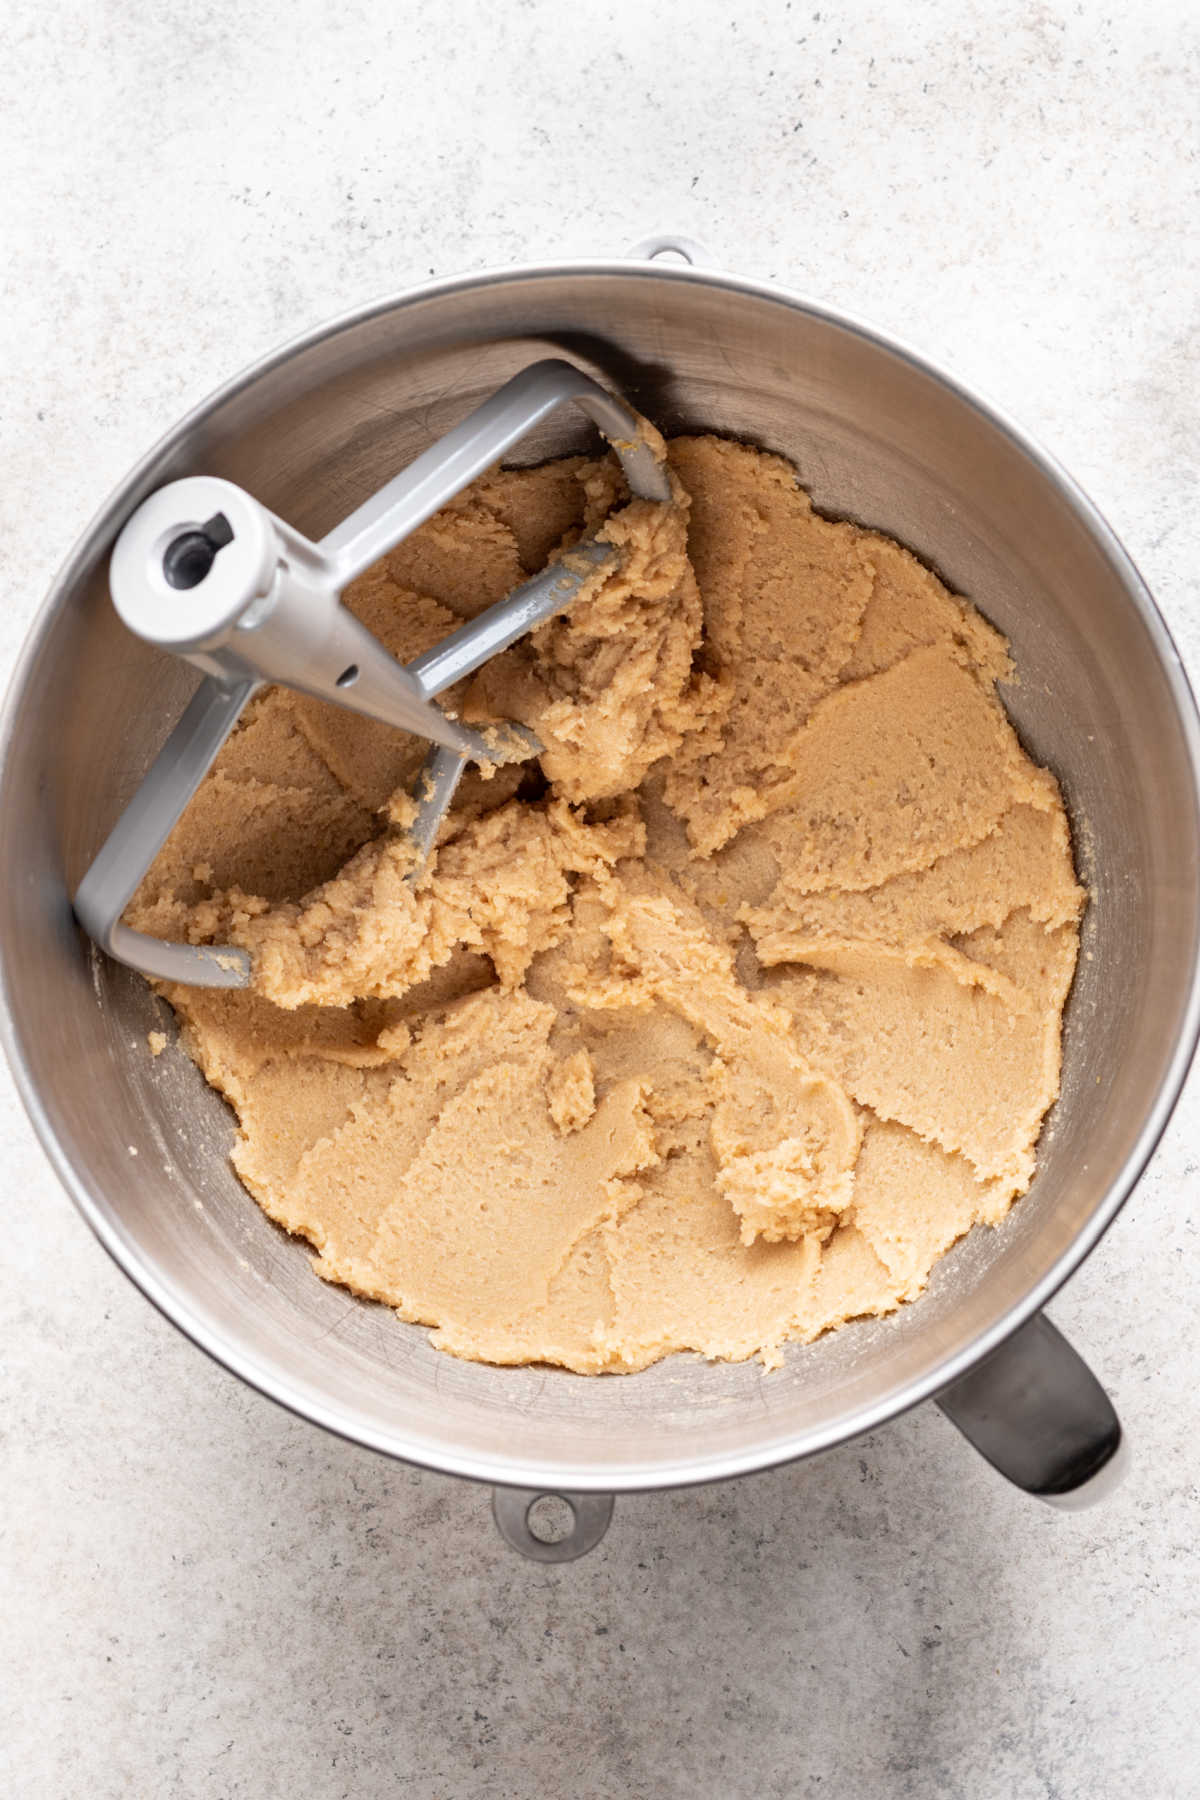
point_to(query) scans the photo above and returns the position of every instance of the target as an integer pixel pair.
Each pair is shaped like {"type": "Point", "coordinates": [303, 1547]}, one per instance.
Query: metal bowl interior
{"type": "Point", "coordinates": [877, 436]}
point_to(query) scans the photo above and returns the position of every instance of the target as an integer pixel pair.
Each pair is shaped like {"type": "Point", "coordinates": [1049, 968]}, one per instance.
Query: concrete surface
{"type": "Point", "coordinates": [205, 1597]}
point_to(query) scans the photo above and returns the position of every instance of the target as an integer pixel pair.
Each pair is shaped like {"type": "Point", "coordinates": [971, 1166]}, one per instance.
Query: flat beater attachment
{"type": "Point", "coordinates": [205, 571]}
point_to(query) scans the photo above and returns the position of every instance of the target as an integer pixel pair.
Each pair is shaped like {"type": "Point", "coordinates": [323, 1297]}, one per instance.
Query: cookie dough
{"type": "Point", "coordinates": [712, 1028]}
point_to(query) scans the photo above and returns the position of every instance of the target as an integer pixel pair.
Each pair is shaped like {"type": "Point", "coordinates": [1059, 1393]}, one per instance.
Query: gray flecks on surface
{"type": "Point", "coordinates": [203, 1596]}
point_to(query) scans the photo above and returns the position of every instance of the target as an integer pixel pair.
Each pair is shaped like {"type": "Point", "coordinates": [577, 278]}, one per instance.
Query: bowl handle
{"type": "Point", "coordinates": [1036, 1412]}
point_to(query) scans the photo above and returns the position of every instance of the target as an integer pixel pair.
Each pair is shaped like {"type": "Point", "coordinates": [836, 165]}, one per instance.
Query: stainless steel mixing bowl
{"type": "Point", "coordinates": [877, 435]}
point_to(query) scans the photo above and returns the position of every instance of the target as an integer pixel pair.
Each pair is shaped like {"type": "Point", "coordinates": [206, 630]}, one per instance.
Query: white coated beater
{"type": "Point", "coordinates": [205, 571]}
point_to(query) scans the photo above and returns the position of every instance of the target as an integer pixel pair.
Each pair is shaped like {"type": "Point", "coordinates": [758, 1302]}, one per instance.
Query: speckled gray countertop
{"type": "Point", "coordinates": [205, 1597]}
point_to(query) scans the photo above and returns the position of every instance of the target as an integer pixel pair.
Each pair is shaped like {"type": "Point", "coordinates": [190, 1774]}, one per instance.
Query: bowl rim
{"type": "Point", "coordinates": [512, 1468]}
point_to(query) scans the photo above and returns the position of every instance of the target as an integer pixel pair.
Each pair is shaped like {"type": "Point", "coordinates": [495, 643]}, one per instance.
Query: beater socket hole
{"type": "Point", "coordinates": [348, 677]}
{"type": "Point", "coordinates": [188, 558]}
